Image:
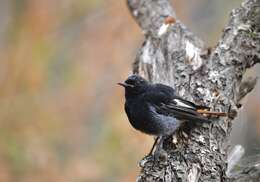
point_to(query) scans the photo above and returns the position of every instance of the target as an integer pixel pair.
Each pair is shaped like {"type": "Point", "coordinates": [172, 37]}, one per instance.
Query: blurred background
{"type": "Point", "coordinates": [61, 112]}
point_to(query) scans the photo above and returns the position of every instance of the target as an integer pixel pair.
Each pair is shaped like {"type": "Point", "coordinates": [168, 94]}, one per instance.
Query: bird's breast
{"type": "Point", "coordinates": [136, 112]}
{"type": "Point", "coordinates": [141, 117]}
{"type": "Point", "coordinates": [138, 115]}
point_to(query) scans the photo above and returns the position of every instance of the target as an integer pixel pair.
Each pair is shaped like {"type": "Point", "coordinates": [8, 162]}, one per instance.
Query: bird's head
{"type": "Point", "coordinates": [134, 85]}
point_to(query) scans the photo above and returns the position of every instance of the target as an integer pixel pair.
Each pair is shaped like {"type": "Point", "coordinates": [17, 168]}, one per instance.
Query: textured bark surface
{"type": "Point", "coordinates": [171, 54]}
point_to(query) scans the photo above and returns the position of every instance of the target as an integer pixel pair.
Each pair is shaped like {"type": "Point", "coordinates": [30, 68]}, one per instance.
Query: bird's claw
{"type": "Point", "coordinates": [160, 154]}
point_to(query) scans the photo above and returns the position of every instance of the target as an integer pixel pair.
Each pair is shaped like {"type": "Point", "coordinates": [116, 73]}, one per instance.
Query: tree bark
{"type": "Point", "coordinates": [173, 55]}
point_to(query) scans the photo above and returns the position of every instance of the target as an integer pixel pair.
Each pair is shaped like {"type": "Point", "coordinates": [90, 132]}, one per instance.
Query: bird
{"type": "Point", "coordinates": [156, 109]}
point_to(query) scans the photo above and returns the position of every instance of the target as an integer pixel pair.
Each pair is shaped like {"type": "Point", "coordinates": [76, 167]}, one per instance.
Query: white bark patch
{"type": "Point", "coordinates": [224, 46]}
{"type": "Point", "coordinates": [201, 139]}
{"type": "Point", "coordinates": [163, 29]}
{"type": "Point", "coordinates": [146, 54]}
{"type": "Point", "coordinates": [174, 139]}
{"type": "Point", "coordinates": [194, 173]}
{"type": "Point", "coordinates": [182, 92]}
{"type": "Point", "coordinates": [243, 27]}
{"type": "Point", "coordinates": [213, 75]}
{"type": "Point", "coordinates": [233, 158]}
{"type": "Point", "coordinates": [135, 13]}
{"type": "Point", "coordinates": [200, 90]}
{"type": "Point", "coordinates": [193, 55]}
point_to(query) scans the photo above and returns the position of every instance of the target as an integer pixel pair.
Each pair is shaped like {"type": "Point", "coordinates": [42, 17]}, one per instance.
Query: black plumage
{"type": "Point", "coordinates": [155, 109]}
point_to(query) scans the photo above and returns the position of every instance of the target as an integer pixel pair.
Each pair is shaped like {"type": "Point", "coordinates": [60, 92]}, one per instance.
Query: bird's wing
{"type": "Point", "coordinates": [165, 101]}
{"type": "Point", "coordinates": [187, 104]}
{"type": "Point", "coordinates": [158, 93]}
{"type": "Point", "coordinates": [181, 109]}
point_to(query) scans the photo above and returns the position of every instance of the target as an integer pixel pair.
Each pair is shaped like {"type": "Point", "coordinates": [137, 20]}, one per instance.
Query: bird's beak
{"type": "Point", "coordinates": [125, 85]}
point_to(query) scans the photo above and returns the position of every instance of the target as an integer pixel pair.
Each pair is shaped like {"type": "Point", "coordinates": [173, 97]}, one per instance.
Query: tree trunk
{"type": "Point", "coordinates": [173, 55]}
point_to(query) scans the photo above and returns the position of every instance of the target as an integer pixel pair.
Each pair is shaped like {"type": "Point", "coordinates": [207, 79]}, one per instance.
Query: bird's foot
{"type": "Point", "coordinates": [160, 155]}
{"type": "Point", "coordinates": [145, 160]}
{"type": "Point", "coordinates": [153, 147]}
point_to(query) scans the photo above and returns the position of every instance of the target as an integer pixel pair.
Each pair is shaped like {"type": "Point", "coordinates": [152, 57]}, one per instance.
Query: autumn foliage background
{"type": "Point", "coordinates": [61, 112]}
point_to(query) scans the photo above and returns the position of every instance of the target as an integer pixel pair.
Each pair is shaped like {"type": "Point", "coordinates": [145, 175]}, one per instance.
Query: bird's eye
{"type": "Point", "coordinates": [131, 82]}
{"type": "Point", "coordinates": [142, 81]}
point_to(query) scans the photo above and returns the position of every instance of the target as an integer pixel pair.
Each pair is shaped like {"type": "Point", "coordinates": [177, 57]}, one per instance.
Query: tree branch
{"type": "Point", "coordinates": [171, 54]}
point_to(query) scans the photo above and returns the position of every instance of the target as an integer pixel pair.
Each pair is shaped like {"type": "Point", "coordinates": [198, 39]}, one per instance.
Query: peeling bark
{"type": "Point", "coordinates": [173, 55]}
